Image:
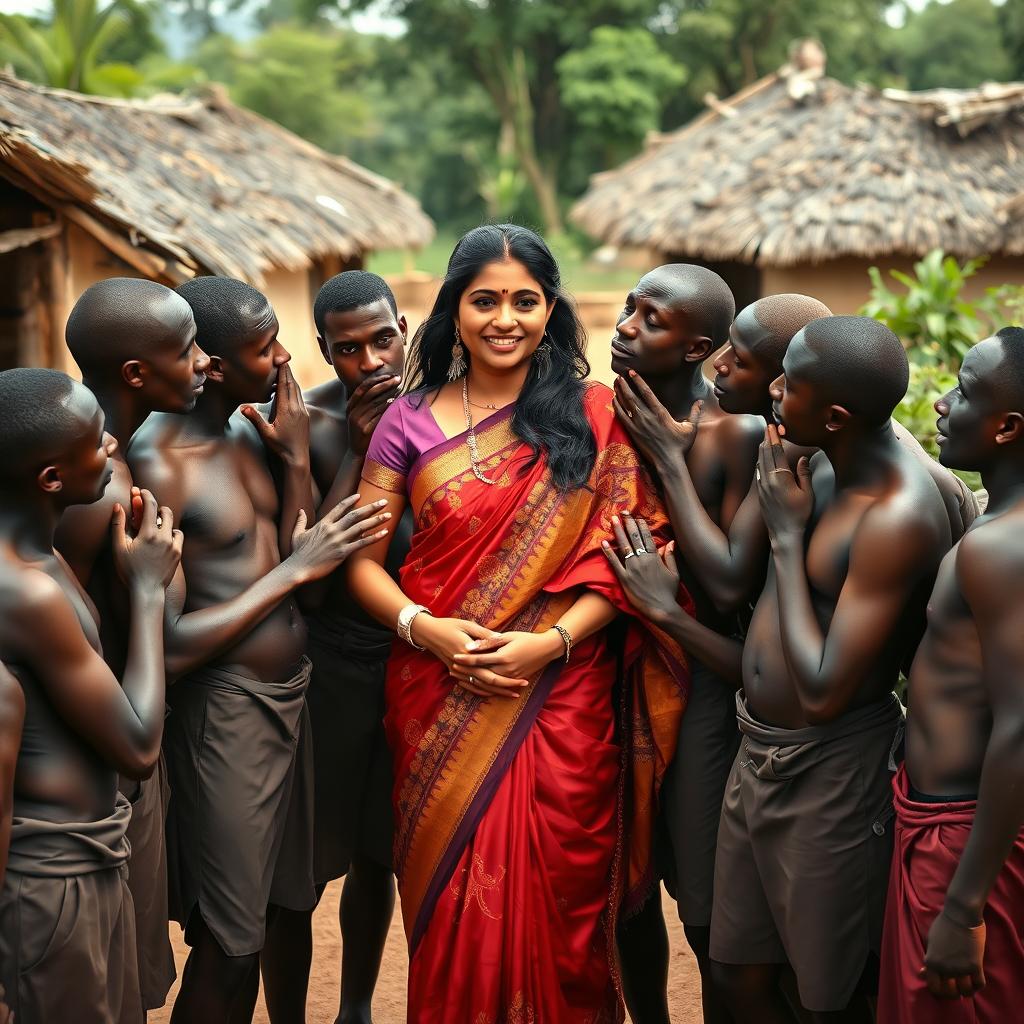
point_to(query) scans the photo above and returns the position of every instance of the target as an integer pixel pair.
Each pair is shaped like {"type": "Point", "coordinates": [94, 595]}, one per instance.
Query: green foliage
{"type": "Point", "coordinates": [68, 49]}
{"type": "Point", "coordinates": [935, 323]}
{"type": "Point", "coordinates": [953, 45]}
{"type": "Point", "coordinates": [614, 87]}
{"type": "Point", "coordinates": [300, 78]}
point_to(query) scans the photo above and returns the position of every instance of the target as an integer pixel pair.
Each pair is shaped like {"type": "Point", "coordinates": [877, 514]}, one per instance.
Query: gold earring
{"type": "Point", "coordinates": [458, 363]}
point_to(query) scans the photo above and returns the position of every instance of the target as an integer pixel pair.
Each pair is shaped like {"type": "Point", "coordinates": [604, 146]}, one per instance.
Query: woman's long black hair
{"type": "Point", "coordinates": [549, 412]}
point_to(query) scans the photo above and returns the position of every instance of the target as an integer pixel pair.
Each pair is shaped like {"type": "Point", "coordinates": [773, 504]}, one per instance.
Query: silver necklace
{"type": "Point", "coordinates": [474, 456]}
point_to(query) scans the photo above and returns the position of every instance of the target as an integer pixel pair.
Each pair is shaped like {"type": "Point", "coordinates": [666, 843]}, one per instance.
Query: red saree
{"type": "Point", "coordinates": [518, 834]}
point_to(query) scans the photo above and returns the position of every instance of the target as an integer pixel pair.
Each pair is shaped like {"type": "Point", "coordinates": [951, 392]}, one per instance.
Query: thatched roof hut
{"type": "Point", "coordinates": [799, 171]}
{"type": "Point", "coordinates": [170, 188]}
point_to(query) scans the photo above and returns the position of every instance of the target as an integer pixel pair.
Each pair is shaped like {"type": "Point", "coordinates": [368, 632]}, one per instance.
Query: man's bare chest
{"type": "Point", "coordinates": [231, 498]}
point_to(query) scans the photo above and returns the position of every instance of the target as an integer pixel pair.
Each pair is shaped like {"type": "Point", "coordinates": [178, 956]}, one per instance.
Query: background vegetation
{"type": "Point", "coordinates": [496, 108]}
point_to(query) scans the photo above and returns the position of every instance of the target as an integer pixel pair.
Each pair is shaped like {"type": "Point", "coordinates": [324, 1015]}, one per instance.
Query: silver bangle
{"type": "Point", "coordinates": [404, 626]}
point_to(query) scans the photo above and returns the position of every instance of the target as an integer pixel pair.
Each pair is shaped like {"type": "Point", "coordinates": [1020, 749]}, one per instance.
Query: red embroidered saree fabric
{"type": "Point", "coordinates": [521, 825]}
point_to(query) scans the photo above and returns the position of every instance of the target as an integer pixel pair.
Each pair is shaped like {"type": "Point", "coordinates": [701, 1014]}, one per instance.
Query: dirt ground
{"type": "Point", "coordinates": [389, 1003]}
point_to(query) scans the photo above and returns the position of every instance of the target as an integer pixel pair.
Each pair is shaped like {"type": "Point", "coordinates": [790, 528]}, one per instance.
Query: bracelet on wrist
{"type": "Point", "coordinates": [404, 625]}
{"type": "Point", "coordinates": [566, 639]}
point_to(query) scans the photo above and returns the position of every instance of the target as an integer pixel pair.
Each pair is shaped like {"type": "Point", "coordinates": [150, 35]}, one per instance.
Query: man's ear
{"type": "Point", "coordinates": [133, 373]}
{"type": "Point", "coordinates": [699, 350]}
{"type": "Point", "coordinates": [403, 326]}
{"type": "Point", "coordinates": [324, 350]}
{"type": "Point", "coordinates": [215, 371]}
{"type": "Point", "coordinates": [1011, 428]}
{"type": "Point", "coordinates": [49, 480]}
{"type": "Point", "coordinates": [838, 417]}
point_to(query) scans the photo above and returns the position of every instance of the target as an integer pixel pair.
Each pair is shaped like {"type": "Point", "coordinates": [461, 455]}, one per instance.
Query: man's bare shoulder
{"type": "Point", "coordinates": [994, 545]}
{"type": "Point", "coordinates": [30, 601]}
{"type": "Point", "coordinates": [329, 397]}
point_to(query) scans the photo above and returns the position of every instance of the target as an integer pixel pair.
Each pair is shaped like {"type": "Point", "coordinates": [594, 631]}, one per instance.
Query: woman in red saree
{"type": "Point", "coordinates": [525, 777]}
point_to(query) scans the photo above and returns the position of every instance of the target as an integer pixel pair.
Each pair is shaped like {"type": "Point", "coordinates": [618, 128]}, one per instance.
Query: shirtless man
{"type": "Point", "coordinates": [239, 829]}
{"type": "Point", "coordinates": [135, 343]}
{"type": "Point", "coordinates": [953, 951]}
{"type": "Point", "coordinates": [67, 929]}
{"type": "Point", "coordinates": [362, 337]}
{"type": "Point", "coordinates": [674, 318]}
{"type": "Point", "coordinates": [730, 564]}
{"type": "Point", "coordinates": [856, 537]}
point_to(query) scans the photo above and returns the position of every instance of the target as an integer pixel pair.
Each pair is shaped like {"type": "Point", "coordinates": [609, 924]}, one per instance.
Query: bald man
{"type": "Point", "coordinates": [135, 343]}
{"type": "Point", "coordinates": [674, 318]}
{"type": "Point", "coordinates": [856, 537]}
{"type": "Point", "coordinates": [731, 564]}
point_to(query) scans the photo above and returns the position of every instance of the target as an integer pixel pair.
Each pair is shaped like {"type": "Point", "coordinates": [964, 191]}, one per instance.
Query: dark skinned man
{"type": "Point", "coordinates": [67, 928]}
{"type": "Point", "coordinates": [953, 951]}
{"type": "Point", "coordinates": [135, 343]}
{"type": "Point", "coordinates": [362, 338]}
{"type": "Point", "coordinates": [730, 564]}
{"type": "Point", "coordinates": [237, 744]}
{"type": "Point", "coordinates": [673, 319]}
{"type": "Point", "coordinates": [856, 537]}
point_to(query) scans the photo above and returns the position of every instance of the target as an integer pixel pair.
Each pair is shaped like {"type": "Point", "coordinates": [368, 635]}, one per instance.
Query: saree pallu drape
{"type": "Point", "coordinates": [523, 826]}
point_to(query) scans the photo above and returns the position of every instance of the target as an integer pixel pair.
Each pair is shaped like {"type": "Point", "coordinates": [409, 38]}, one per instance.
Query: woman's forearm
{"type": "Point", "coordinates": [589, 614]}
{"type": "Point", "coordinates": [375, 590]}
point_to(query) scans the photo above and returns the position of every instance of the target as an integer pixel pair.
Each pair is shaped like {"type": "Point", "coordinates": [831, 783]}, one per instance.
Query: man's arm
{"type": "Point", "coordinates": [285, 435]}
{"type": "Point", "coordinates": [122, 721]}
{"type": "Point", "coordinates": [193, 638]}
{"type": "Point", "coordinates": [728, 560]}
{"type": "Point", "coordinates": [12, 717]}
{"type": "Point", "coordinates": [892, 552]}
{"type": "Point", "coordinates": [651, 582]}
{"type": "Point", "coordinates": [989, 576]}
{"type": "Point", "coordinates": [82, 532]}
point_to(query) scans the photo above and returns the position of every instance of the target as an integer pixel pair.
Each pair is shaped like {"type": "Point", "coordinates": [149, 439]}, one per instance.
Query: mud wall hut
{"type": "Point", "coordinates": [167, 189]}
{"type": "Point", "coordinates": [800, 183]}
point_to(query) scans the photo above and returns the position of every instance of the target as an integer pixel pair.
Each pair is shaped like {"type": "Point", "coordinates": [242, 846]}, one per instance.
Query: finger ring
{"type": "Point", "coordinates": [159, 521]}
{"type": "Point", "coordinates": [640, 551]}
{"type": "Point", "coordinates": [472, 679]}
{"type": "Point", "coordinates": [757, 473]}
{"type": "Point", "coordinates": [629, 414]}
{"type": "Point", "coordinates": [629, 554]}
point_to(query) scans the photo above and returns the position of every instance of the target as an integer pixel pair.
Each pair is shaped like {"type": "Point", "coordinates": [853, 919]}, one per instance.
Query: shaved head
{"type": "Point", "coordinates": [1008, 378]}
{"type": "Point", "coordinates": [227, 311]}
{"type": "Point", "coordinates": [124, 318]}
{"type": "Point", "coordinates": [699, 293]}
{"type": "Point", "coordinates": [45, 414]}
{"type": "Point", "coordinates": [856, 362]}
{"type": "Point", "coordinates": [768, 325]}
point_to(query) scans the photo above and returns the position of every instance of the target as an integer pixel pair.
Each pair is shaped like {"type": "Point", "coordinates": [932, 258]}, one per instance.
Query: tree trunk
{"type": "Point", "coordinates": [511, 94]}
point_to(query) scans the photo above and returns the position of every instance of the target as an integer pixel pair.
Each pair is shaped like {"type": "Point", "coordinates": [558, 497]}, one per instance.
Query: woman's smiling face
{"type": "Point", "coordinates": [502, 316]}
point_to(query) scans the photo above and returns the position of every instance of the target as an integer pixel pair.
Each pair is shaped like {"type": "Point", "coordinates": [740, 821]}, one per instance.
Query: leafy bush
{"type": "Point", "coordinates": [936, 325]}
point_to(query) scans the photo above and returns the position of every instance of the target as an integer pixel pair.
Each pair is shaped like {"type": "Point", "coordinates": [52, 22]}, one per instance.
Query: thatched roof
{"type": "Point", "coordinates": [800, 168]}
{"type": "Point", "coordinates": [179, 187]}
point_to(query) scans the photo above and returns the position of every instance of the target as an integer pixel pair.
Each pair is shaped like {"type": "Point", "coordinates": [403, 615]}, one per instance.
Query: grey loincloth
{"type": "Point", "coordinates": [147, 880]}
{"type": "Point", "coordinates": [67, 925]}
{"type": "Point", "coordinates": [239, 829]}
{"type": "Point", "coordinates": [353, 813]}
{"type": "Point", "coordinates": [691, 796]}
{"type": "Point", "coordinates": [804, 845]}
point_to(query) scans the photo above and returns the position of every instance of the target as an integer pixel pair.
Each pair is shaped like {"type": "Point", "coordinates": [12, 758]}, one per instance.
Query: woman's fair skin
{"type": "Point", "coordinates": [502, 316]}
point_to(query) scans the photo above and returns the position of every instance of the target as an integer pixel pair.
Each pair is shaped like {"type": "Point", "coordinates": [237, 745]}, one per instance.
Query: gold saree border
{"type": "Point", "coordinates": [383, 477]}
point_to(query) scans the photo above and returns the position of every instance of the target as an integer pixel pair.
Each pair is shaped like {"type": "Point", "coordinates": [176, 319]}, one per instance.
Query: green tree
{"type": "Point", "coordinates": [729, 44]}
{"type": "Point", "coordinates": [67, 47]}
{"type": "Point", "coordinates": [511, 49]}
{"type": "Point", "coordinates": [953, 45]}
{"type": "Point", "coordinates": [299, 77]}
{"type": "Point", "coordinates": [615, 86]}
